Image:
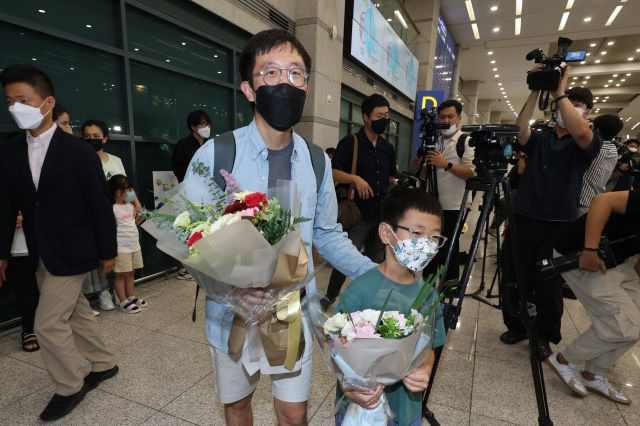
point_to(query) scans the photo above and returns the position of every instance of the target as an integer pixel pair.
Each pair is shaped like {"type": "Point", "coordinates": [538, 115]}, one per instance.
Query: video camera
{"type": "Point", "coordinates": [429, 131]}
{"type": "Point", "coordinates": [550, 75]}
{"type": "Point", "coordinates": [494, 145]}
{"type": "Point", "coordinates": [632, 159]}
{"type": "Point", "coordinates": [552, 267]}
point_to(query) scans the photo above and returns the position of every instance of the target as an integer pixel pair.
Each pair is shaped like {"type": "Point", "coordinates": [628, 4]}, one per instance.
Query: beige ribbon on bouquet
{"type": "Point", "coordinates": [289, 270]}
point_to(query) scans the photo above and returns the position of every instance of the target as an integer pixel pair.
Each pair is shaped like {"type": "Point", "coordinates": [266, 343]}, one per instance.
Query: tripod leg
{"type": "Point", "coordinates": [528, 314]}
{"type": "Point", "coordinates": [428, 414]}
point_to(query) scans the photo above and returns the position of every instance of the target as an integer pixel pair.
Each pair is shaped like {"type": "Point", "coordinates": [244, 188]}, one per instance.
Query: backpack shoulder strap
{"type": "Point", "coordinates": [460, 144]}
{"type": "Point", "coordinates": [224, 148]}
{"type": "Point", "coordinates": [317, 162]}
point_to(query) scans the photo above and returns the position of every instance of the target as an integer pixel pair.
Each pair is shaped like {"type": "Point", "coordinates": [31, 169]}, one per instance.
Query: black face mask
{"type": "Point", "coordinates": [380, 125]}
{"type": "Point", "coordinates": [95, 143]}
{"type": "Point", "coordinates": [280, 105]}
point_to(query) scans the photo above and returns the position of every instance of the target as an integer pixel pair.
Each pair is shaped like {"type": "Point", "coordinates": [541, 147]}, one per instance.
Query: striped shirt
{"type": "Point", "coordinates": [595, 178]}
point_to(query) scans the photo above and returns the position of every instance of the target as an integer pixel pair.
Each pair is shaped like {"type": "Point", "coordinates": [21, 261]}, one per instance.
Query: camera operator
{"type": "Point", "coordinates": [610, 298]}
{"type": "Point", "coordinates": [453, 160]}
{"type": "Point", "coordinates": [621, 177]}
{"type": "Point", "coordinates": [595, 178]}
{"type": "Point", "coordinates": [546, 201]}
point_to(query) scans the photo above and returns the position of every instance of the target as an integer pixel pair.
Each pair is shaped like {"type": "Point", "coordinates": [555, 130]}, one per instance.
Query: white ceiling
{"type": "Point", "coordinates": [540, 21]}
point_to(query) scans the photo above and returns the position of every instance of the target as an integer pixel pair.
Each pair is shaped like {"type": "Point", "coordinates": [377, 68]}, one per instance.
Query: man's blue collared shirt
{"type": "Point", "coordinates": [251, 170]}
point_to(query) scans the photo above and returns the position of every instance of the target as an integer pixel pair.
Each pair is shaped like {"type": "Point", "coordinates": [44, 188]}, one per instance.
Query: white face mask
{"type": "Point", "coordinates": [633, 149]}
{"type": "Point", "coordinates": [451, 130]}
{"type": "Point", "coordinates": [414, 253]}
{"type": "Point", "coordinates": [560, 121]}
{"type": "Point", "coordinates": [204, 132]}
{"type": "Point", "coordinates": [27, 117]}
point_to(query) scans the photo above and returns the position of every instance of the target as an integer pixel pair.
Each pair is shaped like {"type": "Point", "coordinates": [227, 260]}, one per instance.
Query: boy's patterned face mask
{"type": "Point", "coordinates": [414, 253]}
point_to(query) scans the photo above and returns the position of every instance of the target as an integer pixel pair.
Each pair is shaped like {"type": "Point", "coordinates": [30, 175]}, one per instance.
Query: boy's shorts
{"type": "Point", "coordinates": [127, 262]}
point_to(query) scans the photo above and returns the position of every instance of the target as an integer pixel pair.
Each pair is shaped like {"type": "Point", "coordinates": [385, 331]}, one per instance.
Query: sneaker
{"type": "Point", "coordinates": [184, 275]}
{"type": "Point", "coordinates": [129, 307]}
{"type": "Point", "coordinates": [568, 373]}
{"type": "Point", "coordinates": [95, 313]}
{"type": "Point", "coordinates": [601, 386]}
{"type": "Point", "coordinates": [139, 301]}
{"type": "Point", "coordinates": [106, 304]}
{"type": "Point", "coordinates": [116, 299]}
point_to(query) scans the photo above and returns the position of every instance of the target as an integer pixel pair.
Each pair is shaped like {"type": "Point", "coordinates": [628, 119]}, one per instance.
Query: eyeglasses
{"type": "Point", "coordinates": [438, 240]}
{"type": "Point", "coordinates": [271, 76]}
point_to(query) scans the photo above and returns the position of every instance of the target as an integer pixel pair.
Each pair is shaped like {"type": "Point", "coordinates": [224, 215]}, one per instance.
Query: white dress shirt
{"type": "Point", "coordinates": [37, 148]}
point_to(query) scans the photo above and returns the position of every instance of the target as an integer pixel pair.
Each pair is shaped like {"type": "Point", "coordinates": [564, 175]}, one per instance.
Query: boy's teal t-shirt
{"type": "Point", "coordinates": [369, 291]}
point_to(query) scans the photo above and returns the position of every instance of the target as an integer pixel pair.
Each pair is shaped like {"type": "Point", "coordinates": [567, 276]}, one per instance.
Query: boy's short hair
{"type": "Point", "coordinates": [34, 77]}
{"type": "Point", "coordinates": [372, 102]}
{"type": "Point", "coordinates": [264, 42]}
{"type": "Point", "coordinates": [450, 103]}
{"type": "Point", "coordinates": [101, 124]}
{"type": "Point", "coordinates": [196, 117]}
{"type": "Point", "coordinates": [396, 204]}
{"type": "Point", "coordinates": [58, 110]}
{"type": "Point", "coordinates": [581, 94]}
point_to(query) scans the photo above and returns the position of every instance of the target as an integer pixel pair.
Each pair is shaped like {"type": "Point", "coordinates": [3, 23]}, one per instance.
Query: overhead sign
{"type": "Point", "coordinates": [378, 47]}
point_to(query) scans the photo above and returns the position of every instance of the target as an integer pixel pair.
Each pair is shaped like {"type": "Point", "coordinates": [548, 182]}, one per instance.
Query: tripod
{"type": "Point", "coordinates": [497, 276]}
{"type": "Point", "coordinates": [430, 182]}
{"type": "Point", "coordinates": [488, 184]}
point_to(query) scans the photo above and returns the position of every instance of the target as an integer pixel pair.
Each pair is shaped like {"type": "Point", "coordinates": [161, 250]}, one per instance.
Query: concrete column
{"type": "Point", "coordinates": [495, 116]}
{"type": "Point", "coordinates": [320, 29]}
{"type": "Point", "coordinates": [469, 109]}
{"type": "Point", "coordinates": [484, 111]}
{"type": "Point", "coordinates": [424, 14]}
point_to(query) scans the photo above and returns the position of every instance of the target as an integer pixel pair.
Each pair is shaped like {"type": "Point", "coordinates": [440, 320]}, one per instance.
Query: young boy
{"type": "Point", "coordinates": [410, 218]}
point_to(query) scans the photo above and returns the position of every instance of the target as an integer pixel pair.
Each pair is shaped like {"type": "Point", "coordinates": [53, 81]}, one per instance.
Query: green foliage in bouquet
{"type": "Point", "coordinates": [274, 222]}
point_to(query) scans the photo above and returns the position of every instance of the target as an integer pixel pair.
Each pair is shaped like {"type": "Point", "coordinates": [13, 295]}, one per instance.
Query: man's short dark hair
{"type": "Point", "coordinates": [581, 94]}
{"type": "Point", "coordinates": [330, 151]}
{"type": "Point", "coordinates": [264, 42]}
{"type": "Point", "coordinates": [23, 73]}
{"type": "Point", "coordinates": [101, 124]}
{"type": "Point", "coordinates": [450, 103]}
{"type": "Point", "coordinates": [197, 117]}
{"type": "Point", "coordinates": [396, 204]}
{"type": "Point", "coordinates": [609, 125]}
{"type": "Point", "coordinates": [630, 141]}
{"type": "Point", "coordinates": [58, 110]}
{"type": "Point", "coordinates": [372, 102]}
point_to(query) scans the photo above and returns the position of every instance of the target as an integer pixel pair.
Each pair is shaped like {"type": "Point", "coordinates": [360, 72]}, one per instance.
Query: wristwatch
{"type": "Point", "coordinates": [449, 166]}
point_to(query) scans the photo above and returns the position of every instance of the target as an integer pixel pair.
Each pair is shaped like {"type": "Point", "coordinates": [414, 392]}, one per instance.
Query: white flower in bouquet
{"type": "Point", "coordinates": [223, 221]}
{"type": "Point", "coordinates": [370, 315]}
{"type": "Point", "coordinates": [348, 331]}
{"type": "Point", "coordinates": [239, 196]}
{"type": "Point", "coordinates": [182, 220]}
{"type": "Point", "coordinates": [335, 323]}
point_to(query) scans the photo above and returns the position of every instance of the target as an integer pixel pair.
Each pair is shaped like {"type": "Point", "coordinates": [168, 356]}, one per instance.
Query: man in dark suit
{"type": "Point", "coordinates": [56, 181]}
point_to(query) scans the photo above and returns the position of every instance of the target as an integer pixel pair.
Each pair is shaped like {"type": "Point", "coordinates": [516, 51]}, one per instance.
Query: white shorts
{"type": "Point", "coordinates": [233, 383]}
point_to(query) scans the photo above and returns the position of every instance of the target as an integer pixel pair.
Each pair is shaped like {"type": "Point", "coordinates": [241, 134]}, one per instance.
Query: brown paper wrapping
{"type": "Point", "coordinates": [282, 339]}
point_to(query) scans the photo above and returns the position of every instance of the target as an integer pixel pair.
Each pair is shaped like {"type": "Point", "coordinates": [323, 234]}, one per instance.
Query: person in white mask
{"type": "Point", "coordinates": [199, 125]}
{"type": "Point", "coordinates": [453, 160]}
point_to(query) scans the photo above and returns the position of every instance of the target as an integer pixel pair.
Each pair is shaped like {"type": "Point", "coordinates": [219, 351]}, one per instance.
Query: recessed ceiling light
{"type": "Point", "coordinates": [587, 77]}
{"type": "Point", "coordinates": [638, 50]}
{"type": "Point", "coordinates": [584, 82]}
{"type": "Point", "coordinates": [587, 19]}
{"type": "Point", "coordinates": [496, 75]}
{"type": "Point", "coordinates": [582, 62]}
{"type": "Point", "coordinates": [495, 69]}
{"type": "Point", "coordinates": [611, 43]}
{"type": "Point", "coordinates": [490, 52]}
{"type": "Point", "coordinates": [563, 21]}
{"type": "Point", "coordinates": [613, 15]}
{"type": "Point", "coordinates": [493, 62]}
{"type": "Point", "coordinates": [618, 85]}
{"type": "Point", "coordinates": [136, 49]}
{"type": "Point", "coordinates": [389, 19]}
{"type": "Point", "coordinates": [597, 61]}
{"type": "Point", "coordinates": [606, 85]}
{"type": "Point", "coordinates": [71, 68]}
{"type": "Point", "coordinates": [518, 26]}
{"type": "Point", "coordinates": [496, 29]}
{"type": "Point", "coordinates": [183, 43]}
{"type": "Point", "coordinates": [629, 59]}
{"type": "Point", "coordinates": [610, 81]}
{"type": "Point", "coordinates": [493, 8]}
{"type": "Point", "coordinates": [614, 75]}
{"type": "Point", "coordinates": [219, 72]}
{"type": "Point", "coordinates": [592, 45]}
{"type": "Point", "coordinates": [604, 52]}
{"type": "Point", "coordinates": [476, 32]}
{"type": "Point", "coordinates": [575, 78]}
{"type": "Point", "coordinates": [34, 59]}
{"type": "Point", "coordinates": [606, 97]}
{"type": "Point", "coordinates": [88, 26]}
{"type": "Point", "coordinates": [628, 74]}
{"type": "Point", "coordinates": [167, 60]}
{"type": "Point", "coordinates": [42, 11]}
{"type": "Point", "coordinates": [622, 80]}
{"type": "Point", "coordinates": [499, 84]}
{"type": "Point", "coordinates": [588, 54]}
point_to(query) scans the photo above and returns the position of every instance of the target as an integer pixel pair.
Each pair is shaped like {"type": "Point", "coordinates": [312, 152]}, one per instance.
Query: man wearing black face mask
{"type": "Point", "coordinates": [274, 71]}
{"type": "Point", "coordinates": [375, 169]}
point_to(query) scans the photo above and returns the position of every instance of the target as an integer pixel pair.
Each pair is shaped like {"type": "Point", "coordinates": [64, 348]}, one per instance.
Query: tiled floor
{"type": "Point", "coordinates": [166, 375]}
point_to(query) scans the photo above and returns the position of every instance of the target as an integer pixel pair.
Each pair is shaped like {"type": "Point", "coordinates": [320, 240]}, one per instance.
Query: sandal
{"type": "Point", "coordinates": [129, 307]}
{"type": "Point", "coordinates": [139, 302]}
{"type": "Point", "coordinates": [29, 339]}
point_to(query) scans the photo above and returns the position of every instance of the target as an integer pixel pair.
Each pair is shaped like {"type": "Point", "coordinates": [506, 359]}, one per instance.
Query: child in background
{"type": "Point", "coordinates": [410, 230]}
{"type": "Point", "coordinates": [129, 255]}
